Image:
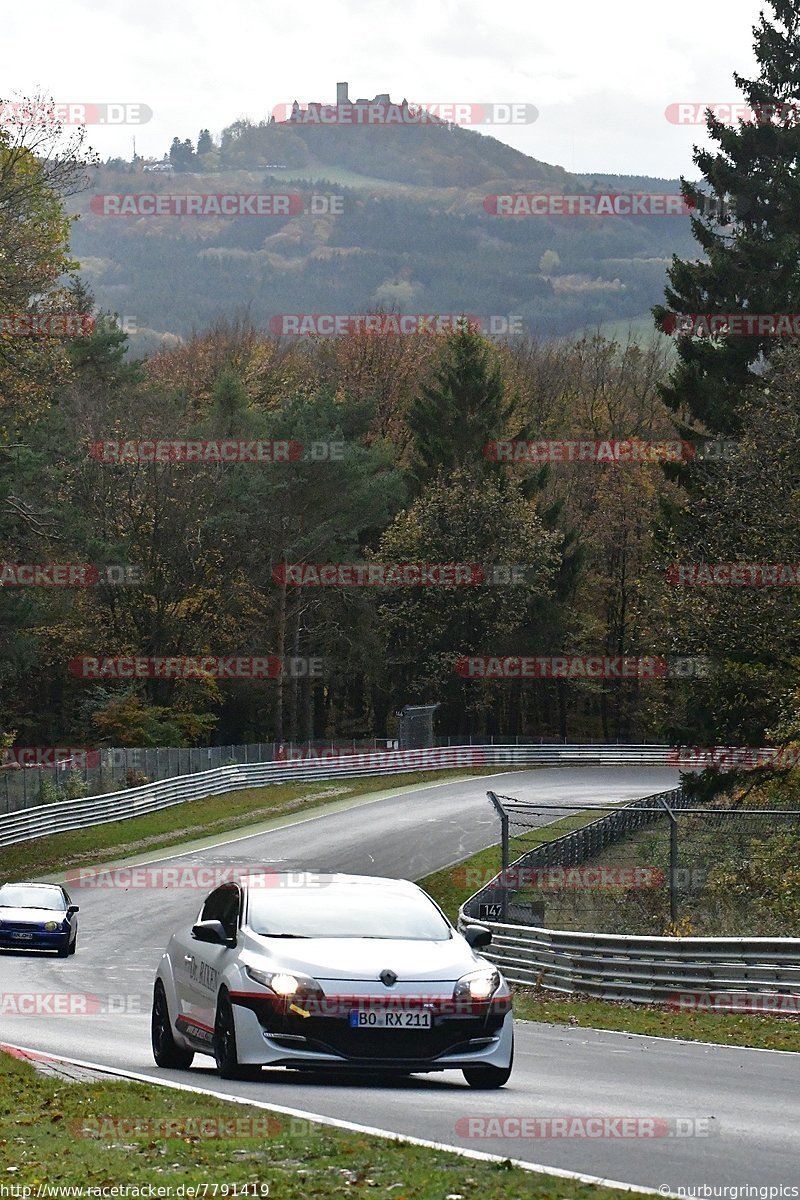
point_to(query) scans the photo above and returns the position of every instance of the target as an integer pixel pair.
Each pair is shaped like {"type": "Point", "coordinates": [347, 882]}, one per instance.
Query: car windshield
{"type": "Point", "coordinates": [346, 912]}
{"type": "Point", "coordinates": [18, 895]}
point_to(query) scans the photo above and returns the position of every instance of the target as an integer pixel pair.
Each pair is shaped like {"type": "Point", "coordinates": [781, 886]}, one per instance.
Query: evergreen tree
{"type": "Point", "coordinates": [747, 226]}
{"type": "Point", "coordinates": [230, 403]}
{"type": "Point", "coordinates": [100, 354]}
{"type": "Point", "coordinates": [182, 155]}
{"type": "Point", "coordinates": [452, 420]}
{"type": "Point", "coordinates": [746, 510]}
{"type": "Point", "coordinates": [204, 142]}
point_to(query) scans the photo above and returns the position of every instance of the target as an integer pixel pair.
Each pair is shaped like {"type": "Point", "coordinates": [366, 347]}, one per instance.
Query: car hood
{"type": "Point", "coordinates": [32, 916]}
{"type": "Point", "coordinates": [365, 958]}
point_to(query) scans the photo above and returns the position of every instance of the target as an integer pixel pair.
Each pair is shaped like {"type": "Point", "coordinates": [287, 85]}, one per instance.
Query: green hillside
{"type": "Point", "coordinates": [401, 226]}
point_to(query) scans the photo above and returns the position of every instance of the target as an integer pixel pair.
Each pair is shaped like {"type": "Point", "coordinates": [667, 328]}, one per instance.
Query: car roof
{"type": "Point", "coordinates": [26, 883]}
{"type": "Point", "coordinates": [333, 878]}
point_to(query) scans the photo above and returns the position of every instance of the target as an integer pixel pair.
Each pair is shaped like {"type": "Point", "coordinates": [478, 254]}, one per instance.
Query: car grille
{"type": "Point", "coordinates": [389, 1045]}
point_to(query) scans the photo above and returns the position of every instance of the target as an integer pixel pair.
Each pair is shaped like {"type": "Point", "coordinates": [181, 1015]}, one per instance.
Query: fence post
{"type": "Point", "coordinates": [504, 851]}
{"type": "Point", "coordinates": [673, 863]}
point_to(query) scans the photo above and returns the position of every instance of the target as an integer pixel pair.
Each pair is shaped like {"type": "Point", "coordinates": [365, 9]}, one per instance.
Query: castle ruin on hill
{"type": "Point", "coordinates": [379, 110]}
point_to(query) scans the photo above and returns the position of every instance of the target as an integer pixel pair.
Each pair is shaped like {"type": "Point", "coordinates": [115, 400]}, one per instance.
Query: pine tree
{"type": "Point", "coordinates": [230, 403]}
{"type": "Point", "coordinates": [747, 226]}
{"type": "Point", "coordinates": [204, 142]}
{"type": "Point", "coordinates": [182, 155]}
{"type": "Point", "coordinates": [465, 407]}
{"type": "Point", "coordinates": [100, 353]}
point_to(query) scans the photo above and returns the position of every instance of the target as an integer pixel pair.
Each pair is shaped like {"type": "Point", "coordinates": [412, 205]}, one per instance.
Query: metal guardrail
{"type": "Point", "coordinates": [28, 781]}
{"type": "Point", "coordinates": [65, 815]}
{"type": "Point", "coordinates": [645, 970]}
{"type": "Point", "coordinates": [637, 968]}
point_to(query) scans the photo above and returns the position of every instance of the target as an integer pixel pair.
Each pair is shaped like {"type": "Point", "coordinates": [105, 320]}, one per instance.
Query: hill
{"type": "Point", "coordinates": [401, 220]}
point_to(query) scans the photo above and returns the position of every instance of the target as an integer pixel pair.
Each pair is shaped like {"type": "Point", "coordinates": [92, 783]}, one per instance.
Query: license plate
{"type": "Point", "coordinates": [23, 937]}
{"type": "Point", "coordinates": [393, 1018]}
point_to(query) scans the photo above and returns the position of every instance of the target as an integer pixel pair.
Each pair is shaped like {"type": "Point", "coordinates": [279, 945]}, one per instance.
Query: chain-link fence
{"type": "Point", "coordinates": [43, 776]}
{"type": "Point", "coordinates": [662, 865]}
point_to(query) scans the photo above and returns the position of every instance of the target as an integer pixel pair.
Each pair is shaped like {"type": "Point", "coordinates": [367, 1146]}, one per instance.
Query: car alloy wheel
{"type": "Point", "coordinates": [225, 1052]}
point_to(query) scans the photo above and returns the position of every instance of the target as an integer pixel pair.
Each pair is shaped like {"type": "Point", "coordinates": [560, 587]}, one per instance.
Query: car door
{"type": "Point", "coordinates": [204, 962]}
{"type": "Point", "coordinates": [181, 951]}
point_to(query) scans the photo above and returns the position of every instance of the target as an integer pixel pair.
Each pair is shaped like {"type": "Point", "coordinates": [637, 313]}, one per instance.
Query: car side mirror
{"type": "Point", "coordinates": [478, 936]}
{"type": "Point", "coordinates": [213, 932]}
{"type": "Point", "coordinates": [73, 908]}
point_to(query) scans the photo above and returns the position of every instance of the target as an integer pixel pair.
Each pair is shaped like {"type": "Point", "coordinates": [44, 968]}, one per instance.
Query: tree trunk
{"type": "Point", "coordinates": [294, 682]}
{"type": "Point", "coordinates": [281, 650]}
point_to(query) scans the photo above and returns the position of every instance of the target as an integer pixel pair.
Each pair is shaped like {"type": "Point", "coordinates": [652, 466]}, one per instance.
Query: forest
{"type": "Point", "coordinates": [360, 458]}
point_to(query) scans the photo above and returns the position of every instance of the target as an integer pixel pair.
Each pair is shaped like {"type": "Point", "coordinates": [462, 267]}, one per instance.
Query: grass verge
{"type": "Point", "coordinates": [86, 1134]}
{"type": "Point", "coordinates": [730, 1029]}
{"type": "Point", "coordinates": [451, 887]}
{"type": "Point", "coordinates": [203, 818]}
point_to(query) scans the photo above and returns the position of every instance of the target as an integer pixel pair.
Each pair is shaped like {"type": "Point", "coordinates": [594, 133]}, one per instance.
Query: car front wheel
{"type": "Point", "coordinates": [487, 1077]}
{"type": "Point", "coordinates": [225, 1052]}
{"type": "Point", "coordinates": [166, 1051]}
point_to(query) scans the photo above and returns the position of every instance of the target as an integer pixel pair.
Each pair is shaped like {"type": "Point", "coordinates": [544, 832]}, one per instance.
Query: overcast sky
{"type": "Point", "coordinates": [601, 75]}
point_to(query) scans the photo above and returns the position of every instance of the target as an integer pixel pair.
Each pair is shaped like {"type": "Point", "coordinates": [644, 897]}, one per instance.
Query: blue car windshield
{"type": "Point", "coordinates": [18, 895]}
{"type": "Point", "coordinates": [346, 912]}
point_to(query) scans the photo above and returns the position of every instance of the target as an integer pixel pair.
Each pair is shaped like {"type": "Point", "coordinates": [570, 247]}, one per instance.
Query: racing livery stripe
{"type": "Point", "coordinates": [195, 1029]}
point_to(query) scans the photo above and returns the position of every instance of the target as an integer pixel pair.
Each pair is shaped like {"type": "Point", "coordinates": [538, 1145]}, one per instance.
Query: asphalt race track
{"type": "Point", "coordinates": [747, 1101]}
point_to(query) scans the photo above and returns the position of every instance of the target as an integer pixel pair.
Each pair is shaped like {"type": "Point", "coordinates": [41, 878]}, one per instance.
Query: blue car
{"type": "Point", "coordinates": [38, 916]}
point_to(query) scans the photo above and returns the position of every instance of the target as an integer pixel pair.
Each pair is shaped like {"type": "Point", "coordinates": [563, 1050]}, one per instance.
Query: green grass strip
{"type": "Point", "coordinates": [99, 1134]}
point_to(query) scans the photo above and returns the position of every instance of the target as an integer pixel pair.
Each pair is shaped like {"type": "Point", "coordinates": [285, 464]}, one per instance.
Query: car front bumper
{"type": "Point", "coordinates": [453, 1042]}
{"type": "Point", "coordinates": [33, 939]}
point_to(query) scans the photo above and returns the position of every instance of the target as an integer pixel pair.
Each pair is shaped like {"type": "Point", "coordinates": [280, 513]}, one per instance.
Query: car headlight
{"type": "Point", "coordinates": [478, 985]}
{"type": "Point", "coordinates": [285, 983]}
{"type": "Point", "coordinates": [50, 926]}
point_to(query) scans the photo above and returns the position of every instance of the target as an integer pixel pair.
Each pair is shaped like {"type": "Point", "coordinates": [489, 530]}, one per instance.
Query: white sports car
{"type": "Point", "coordinates": [319, 971]}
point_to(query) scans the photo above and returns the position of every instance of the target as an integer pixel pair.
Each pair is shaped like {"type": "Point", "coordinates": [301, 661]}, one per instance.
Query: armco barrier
{"type": "Point", "coordinates": [641, 969]}
{"type": "Point", "coordinates": [33, 777]}
{"type": "Point", "coordinates": [65, 815]}
{"type": "Point", "coordinates": [645, 970]}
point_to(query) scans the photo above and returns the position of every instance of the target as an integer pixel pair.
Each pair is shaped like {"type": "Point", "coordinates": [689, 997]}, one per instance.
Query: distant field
{"type": "Point", "coordinates": [340, 175]}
